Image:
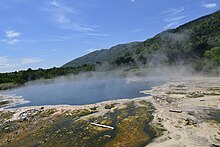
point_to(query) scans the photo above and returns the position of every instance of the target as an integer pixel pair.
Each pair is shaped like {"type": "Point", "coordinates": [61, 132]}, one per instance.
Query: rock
{"type": "Point", "coordinates": [190, 122]}
{"type": "Point", "coordinates": [177, 136]}
{"type": "Point", "coordinates": [109, 106]}
{"type": "Point", "coordinates": [108, 136]}
{"type": "Point", "coordinates": [214, 145]}
{"type": "Point", "coordinates": [165, 139]}
{"type": "Point", "coordinates": [6, 128]}
{"type": "Point", "coordinates": [27, 115]}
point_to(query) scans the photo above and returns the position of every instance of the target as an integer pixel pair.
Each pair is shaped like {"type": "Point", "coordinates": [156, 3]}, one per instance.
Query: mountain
{"type": "Point", "coordinates": [104, 55]}
{"type": "Point", "coordinates": [184, 44]}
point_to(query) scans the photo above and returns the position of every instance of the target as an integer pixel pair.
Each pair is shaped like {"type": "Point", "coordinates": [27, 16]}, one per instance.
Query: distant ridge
{"type": "Point", "coordinates": [187, 43]}
{"type": "Point", "coordinates": [103, 55]}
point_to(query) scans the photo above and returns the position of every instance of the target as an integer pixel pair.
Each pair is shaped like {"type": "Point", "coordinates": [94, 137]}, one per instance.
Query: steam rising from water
{"type": "Point", "coordinates": [93, 87]}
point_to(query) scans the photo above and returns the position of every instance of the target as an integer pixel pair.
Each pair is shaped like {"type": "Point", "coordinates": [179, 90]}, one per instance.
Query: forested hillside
{"type": "Point", "coordinates": [14, 79]}
{"type": "Point", "coordinates": [185, 44]}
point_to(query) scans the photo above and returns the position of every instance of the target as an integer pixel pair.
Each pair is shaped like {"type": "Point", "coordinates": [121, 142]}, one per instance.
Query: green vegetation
{"type": "Point", "coordinates": [213, 58]}
{"type": "Point", "coordinates": [5, 86]}
{"type": "Point", "coordinates": [190, 43]}
{"type": "Point", "coordinates": [116, 55]}
{"type": "Point", "coordinates": [123, 60]}
{"type": "Point", "coordinates": [14, 79]}
{"type": "Point", "coordinates": [132, 125]}
{"type": "Point", "coordinates": [66, 128]}
{"type": "Point", "coordinates": [196, 43]}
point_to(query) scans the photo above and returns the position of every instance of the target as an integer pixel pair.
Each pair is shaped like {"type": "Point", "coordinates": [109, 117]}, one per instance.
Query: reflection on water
{"type": "Point", "coordinates": [80, 92]}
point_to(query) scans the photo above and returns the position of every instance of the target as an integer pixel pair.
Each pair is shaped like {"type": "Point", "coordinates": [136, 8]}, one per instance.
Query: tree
{"type": "Point", "coordinates": [212, 58]}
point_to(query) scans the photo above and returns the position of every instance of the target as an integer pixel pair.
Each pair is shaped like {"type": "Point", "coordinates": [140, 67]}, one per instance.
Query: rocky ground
{"type": "Point", "coordinates": [198, 124]}
{"type": "Point", "coordinates": [10, 100]}
{"type": "Point", "coordinates": [179, 113]}
{"type": "Point", "coordinates": [73, 125]}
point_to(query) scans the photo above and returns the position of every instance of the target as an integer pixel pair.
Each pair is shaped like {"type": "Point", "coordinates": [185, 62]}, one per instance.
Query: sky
{"type": "Point", "coordinates": [48, 33]}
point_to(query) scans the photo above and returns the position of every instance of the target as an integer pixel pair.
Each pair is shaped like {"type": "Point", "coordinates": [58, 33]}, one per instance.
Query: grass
{"type": "Point", "coordinates": [6, 86]}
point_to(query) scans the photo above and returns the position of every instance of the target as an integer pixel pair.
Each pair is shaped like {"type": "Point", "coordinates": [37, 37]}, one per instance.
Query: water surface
{"type": "Point", "coordinates": [80, 92]}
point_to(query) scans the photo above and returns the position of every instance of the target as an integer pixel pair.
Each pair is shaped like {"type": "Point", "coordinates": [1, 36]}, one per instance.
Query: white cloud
{"type": "Point", "coordinates": [12, 34]}
{"type": "Point", "coordinates": [3, 59]}
{"type": "Point", "coordinates": [173, 16]}
{"type": "Point", "coordinates": [12, 41]}
{"type": "Point", "coordinates": [177, 18]}
{"type": "Point", "coordinates": [135, 31]}
{"type": "Point", "coordinates": [62, 19]}
{"type": "Point", "coordinates": [209, 5]}
{"type": "Point", "coordinates": [62, 7]}
{"type": "Point", "coordinates": [81, 27]}
{"type": "Point", "coordinates": [30, 60]}
{"type": "Point", "coordinates": [65, 17]}
{"type": "Point", "coordinates": [171, 25]}
{"type": "Point", "coordinates": [6, 62]}
{"type": "Point", "coordinates": [98, 35]}
{"type": "Point", "coordinates": [173, 11]}
{"type": "Point", "coordinates": [11, 37]}
{"type": "Point", "coordinates": [132, 0]}
{"type": "Point", "coordinates": [91, 50]}
{"type": "Point", "coordinates": [67, 37]}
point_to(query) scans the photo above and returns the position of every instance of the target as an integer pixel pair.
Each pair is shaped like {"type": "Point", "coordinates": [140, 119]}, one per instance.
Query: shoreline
{"type": "Point", "coordinates": [10, 100]}
{"type": "Point", "coordinates": [196, 98]}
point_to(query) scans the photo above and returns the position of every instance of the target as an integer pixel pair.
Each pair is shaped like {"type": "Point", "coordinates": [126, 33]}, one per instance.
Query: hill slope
{"type": "Point", "coordinates": [104, 55]}
{"type": "Point", "coordinates": [185, 44]}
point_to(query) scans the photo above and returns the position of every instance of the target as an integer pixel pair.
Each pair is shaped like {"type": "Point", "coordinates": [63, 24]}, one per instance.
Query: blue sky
{"type": "Point", "coordinates": [49, 33]}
